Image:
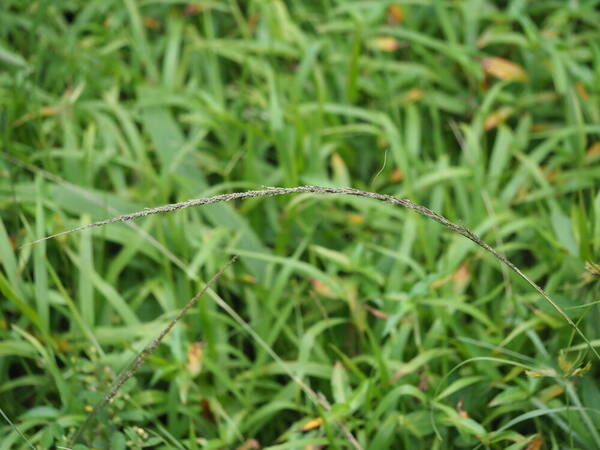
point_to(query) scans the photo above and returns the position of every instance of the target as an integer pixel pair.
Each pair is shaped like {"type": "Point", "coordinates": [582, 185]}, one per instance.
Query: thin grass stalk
{"type": "Point", "coordinates": [141, 357]}
{"type": "Point", "coordinates": [275, 191]}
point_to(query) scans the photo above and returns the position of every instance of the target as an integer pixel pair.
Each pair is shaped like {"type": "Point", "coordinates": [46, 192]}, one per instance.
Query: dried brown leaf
{"type": "Point", "coordinates": [497, 117]}
{"type": "Point", "coordinates": [536, 443]}
{"type": "Point", "coordinates": [503, 69]}
{"type": "Point", "coordinates": [312, 424]}
{"type": "Point", "coordinates": [385, 43]}
{"type": "Point", "coordinates": [395, 14]}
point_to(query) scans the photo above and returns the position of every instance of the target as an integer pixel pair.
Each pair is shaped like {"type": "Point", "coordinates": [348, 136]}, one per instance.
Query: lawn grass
{"type": "Point", "coordinates": [345, 322]}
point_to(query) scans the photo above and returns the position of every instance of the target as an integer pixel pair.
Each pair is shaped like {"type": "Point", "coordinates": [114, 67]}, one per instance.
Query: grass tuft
{"type": "Point", "coordinates": [345, 323]}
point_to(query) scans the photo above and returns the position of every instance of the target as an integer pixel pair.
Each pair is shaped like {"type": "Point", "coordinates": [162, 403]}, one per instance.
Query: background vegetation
{"type": "Point", "coordinates": [487, 112]}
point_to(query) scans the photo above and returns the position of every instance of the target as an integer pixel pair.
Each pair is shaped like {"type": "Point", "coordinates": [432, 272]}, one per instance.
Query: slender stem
{"type": "Point", "coordinates": [269, 192]}
{"type": "Point", "coordinates": [141, 357]}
